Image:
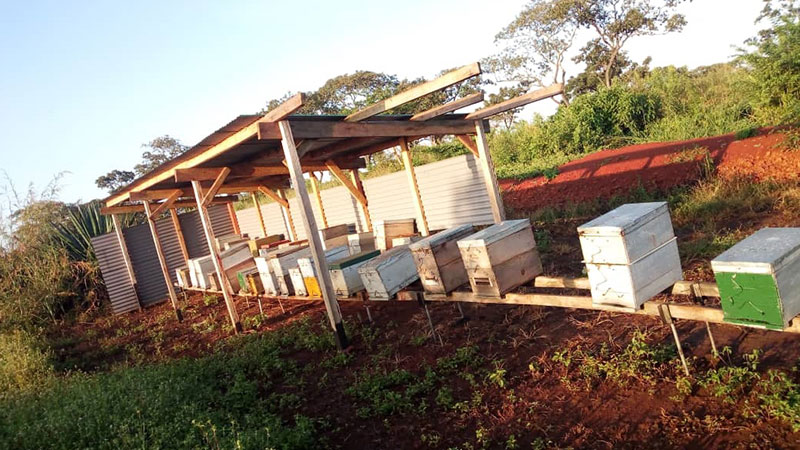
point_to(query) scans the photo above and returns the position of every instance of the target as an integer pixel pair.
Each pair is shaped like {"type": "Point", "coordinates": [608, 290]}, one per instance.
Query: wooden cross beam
{"type": "Point", "coordinates": [166, 204]}
{"type": "Point", "coordinates": [126, 209]}
{"type": "Point", "coordinates": [516, 102]}
{"type": "Point", "coordinates": [324, 129]}
{"type": "Point", "coordinates": [155, 194]}
{"type": "Point", "coordinates": [212, 191]}
{"type": "Point", "coordinates": [444, 81]}
{"type": "Point", "coordinates": [469, 143]}
{"type": "Point", "coordinates": [448, 107]}
{"type": "Point", "coordinates": [273, 195]}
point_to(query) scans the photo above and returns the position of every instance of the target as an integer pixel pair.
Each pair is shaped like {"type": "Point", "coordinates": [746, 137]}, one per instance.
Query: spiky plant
{"type": "Point", "coordinates": [83, 222]}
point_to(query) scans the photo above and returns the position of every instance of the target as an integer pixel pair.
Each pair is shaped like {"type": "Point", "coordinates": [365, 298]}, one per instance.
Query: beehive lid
{"type": "Point", "coordinates": [285, 251]}
{"type": "Point", "coordinates": [382, 222]}
{"type": "Point", "coordinates": [386, 257]}
{"type": "Point", "coordinates": [355, 259]}
{"type": "Point", "coordinates": [494, 233]}
{"type": "Point", "coordinates": [765, 251]}
{"type": "Point", "coordinates": [624, 219]}
{"type": "Point", "coordinates": [441, 237]}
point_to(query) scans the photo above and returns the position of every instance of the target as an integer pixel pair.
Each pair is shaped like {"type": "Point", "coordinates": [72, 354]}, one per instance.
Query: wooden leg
{"type": "Point", "coordinates": [162, 261]}
{"type": "Point", "coordinates": [422, 220]}
{"type": "Point", "coordinates": [125, 256]}
{"type": "Point", "coordinates": [312, 232]}
{"type": "Point", "coordinates": [489, 175]}
{"type": "Point", "coordinates": [227, 291]}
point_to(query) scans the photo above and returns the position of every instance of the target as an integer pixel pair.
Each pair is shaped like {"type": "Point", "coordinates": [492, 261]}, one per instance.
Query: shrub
{"type": "Point", "coordinates": [23, 363]}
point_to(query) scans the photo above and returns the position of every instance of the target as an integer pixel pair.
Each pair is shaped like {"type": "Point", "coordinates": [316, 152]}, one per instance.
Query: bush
{"type": "Point", "coordinates": [23, 363]}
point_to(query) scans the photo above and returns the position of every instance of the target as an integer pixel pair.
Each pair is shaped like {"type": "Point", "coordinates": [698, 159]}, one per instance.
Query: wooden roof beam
{"type": "Point", "coordinates": [155, 194]}
{"type": "Point", "coordinates": [126, 209]}
{"type": "Point", "coordinates": [444, 81]}
{"type": "Point", "coordinates": [448, 107]}
{"type": "Point", "coordinates": [516, 102]}
{"type": "Point", "coordinates": [285, 109]}
{"type": "Point", "coordinates": [308, 129]}
{"type": "Point", "coordinates": [161, 207]}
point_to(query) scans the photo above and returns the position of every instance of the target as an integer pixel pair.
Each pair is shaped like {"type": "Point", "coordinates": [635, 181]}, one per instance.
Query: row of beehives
{"type": "Point", "coordinates": [630, 253]}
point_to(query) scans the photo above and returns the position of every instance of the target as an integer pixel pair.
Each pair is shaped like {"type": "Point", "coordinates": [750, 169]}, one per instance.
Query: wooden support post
{"type": "Point", "coordinates": [181, 241]}
{"type": "Point", "coordinates": [365, 204]}
{"type": "Point", "coordinates": [312, 231]}
{"type": "Point", "coordinates": [405, 155]}
{"type": "Point", "coordinates": [254, 196]}
{"type": "Point", "coordinates": [666, 317]}
{"type": "Point", "coordinates": [287, 214]}
{"type": "Point", "coordinates": [318, 196]}
{"type": "Point", "coordinates": [162, 260]}
{"type": "Point", "coordinates": [125, 257]}
{"type": "Point", "coordinates": [489, 176]}
{"type": "Point", "coordinates": [234, 219]}
{"type": "Point", "coordinates": [227, 291]}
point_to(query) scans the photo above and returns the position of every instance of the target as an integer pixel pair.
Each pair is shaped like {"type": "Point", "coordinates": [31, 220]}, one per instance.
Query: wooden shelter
{"type": "Point", "coordinates": [270, 153]}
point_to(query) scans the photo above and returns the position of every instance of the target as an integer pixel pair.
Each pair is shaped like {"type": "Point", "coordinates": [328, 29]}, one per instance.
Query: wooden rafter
{"type": "Point", "coordinates": [516, 102]}
{"type": "Point", "coordinates": [444, 81]}
{"type": "Point", "coordinates": [273, 195]}
{"type": "Point", "coordinates": [448, 107]}
{"type": "Point", "coordinates": [166, 203]}
{"type": "Point", "coordinates": [325, 129]}
{"type": "Point", "coordinates": [155, 194]}
{"type": "Point", "coordinates": [286, 108]}
{"type": "Point", "coordinates": [125, 209]}
{"type": "Point", "coordinates": [218, 182]}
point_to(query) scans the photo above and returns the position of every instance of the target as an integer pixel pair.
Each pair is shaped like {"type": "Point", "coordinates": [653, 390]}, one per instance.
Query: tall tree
{"type": "Point", "coordinates": [114, 180]}
{"type": "Point", "coordinates": [161, 150]}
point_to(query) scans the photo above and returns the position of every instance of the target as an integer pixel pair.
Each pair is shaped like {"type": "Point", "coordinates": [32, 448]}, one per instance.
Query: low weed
{"type": "Point", "coordinates": [745, 133]}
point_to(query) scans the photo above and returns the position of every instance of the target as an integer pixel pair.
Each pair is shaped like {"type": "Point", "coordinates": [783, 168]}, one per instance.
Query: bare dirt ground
{"type": "Point", "coordinates": [523, 391]}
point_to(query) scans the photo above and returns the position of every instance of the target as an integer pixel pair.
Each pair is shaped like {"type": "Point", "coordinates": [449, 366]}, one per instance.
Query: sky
{"type": "Point", "coordinates": [83, 84]}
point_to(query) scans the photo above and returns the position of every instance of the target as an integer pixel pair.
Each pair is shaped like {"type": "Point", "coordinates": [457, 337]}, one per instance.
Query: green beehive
{"type": "Point", "coordinates": [759, 278]}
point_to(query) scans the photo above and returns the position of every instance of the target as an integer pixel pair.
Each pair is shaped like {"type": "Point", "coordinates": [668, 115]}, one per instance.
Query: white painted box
{"type": "Point", "coordinates": [267, 277]}
{"type": "Point", "coordinates": [298, 285]}
{"type": "Point", "coordinates": [281, 261]}
{"type": "Point", "coordinates": [361, 242]}
{"type": "Point", "coordinates": [388, 273]}
{"type": "Point", "coordinates": [344, 273]}
{"type": "Point", "coordinates": [439, 262]}
{"type": "Point", "coordinates": [628, 286]}
{"type": "Point", "coordinates": [308, 272]}
{"type": "Point", "coordinates": [201, 267]}
{"type": "Point", "coordinates": [626, 234]}
{"type": "Point", "coordinates": [500, 258]}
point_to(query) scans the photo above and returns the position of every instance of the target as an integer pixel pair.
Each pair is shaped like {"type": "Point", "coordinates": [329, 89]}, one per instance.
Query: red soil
{"type": "Point", "coordinates": [657, 166]}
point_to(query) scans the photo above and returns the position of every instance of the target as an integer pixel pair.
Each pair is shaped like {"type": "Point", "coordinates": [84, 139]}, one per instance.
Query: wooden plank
{"type": "Point", "coordinates": [363, 194]}
{"type": "Point", "coordinates": [489, 176]}
{"type": "Point", "coordinates": [234, 219]}
{"type": "Point", "coordinates": [259, 214]}
{"type": "Point", "coordinates": [166, 203]}
{"type": "Point", "coordinates": [312, 231]}
{"type": "Point", "coordinates": [469, 143]}
{"type": "Point", "coordinates": [444, 81]}
{"type": "Point", "coordinates": [336, 171]}
{"type": "Point", "coordinates": [562, 282]}
{"type": "Point", "coordinates": [448, 107]}
{"type": "Point", "coordinates": [176, 223]}
{"type": "Point", "coordinates": [318, 196]}
{"type": "Point", "coordinates": [227, 290]}
{"type": "Point", "coordinates": [286, 108]}
{"type": "Point", "coordinates": [211, 173]}
{"type": "Point", "coordinates": [126, 209]}
{"type": "Point", "coordinates": [516, 102]}
{"type": "Point", "coordinates": [274, 196]}
{"type": "Point", "coordinates": [326, 129]}
{"type": "Point", "coordinates": [696, 289]}
{"type": "Point", "coordinates": [218, 182]}
{"type": "Point", "coordinates": [155, 194]}
{"type": "Point", "coordinates": [125, 256]}
{"type": "Point", "coordinates": [287, 214]}
{"type": "Point", "coordinates": [162, 260]}
{"type": "Point", "coordinates": [422, 220]}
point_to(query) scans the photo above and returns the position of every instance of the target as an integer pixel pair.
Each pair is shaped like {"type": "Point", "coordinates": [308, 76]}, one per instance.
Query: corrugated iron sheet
{"type": "Point", "coordinates": [115, 274]}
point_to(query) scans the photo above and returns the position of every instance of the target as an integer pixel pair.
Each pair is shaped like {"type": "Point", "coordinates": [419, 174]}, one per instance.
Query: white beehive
{"type": "Point", "coordinates": [267, 277]}
{"type": "Point", "coordinates": [361, 242]}
{"type": "Point", "coordinates": [298, 284]}
{"type": "Point", "coordinates": [281, 261]}
{"type": "Point", "coordinates": [388, 273]}
{"type": "Point", "coordinates": [438, 260]}
{"type": "Point", "coordinates": [199, 270]}
{"type": "Point", "coordinates": [500, 258]}
{"type": "Point", "coordinates": [308, 272]}
{"type": "Point", "coordinates": [631, 254]}
{"type": "Point", "coordinates": [344, 273]}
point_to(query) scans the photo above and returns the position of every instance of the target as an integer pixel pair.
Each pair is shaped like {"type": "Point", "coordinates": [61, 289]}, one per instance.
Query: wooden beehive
{"type": "Point", "coordinates": [281, 261]}
{"type": "Point", "coordinates": [759, 278]}
{"type": "Point", "coordinates": [268, 281]}
{"type": "Point", "coordinates": [309, 272]}
{"type": "Point", "coordinates": [438, 260]}
{"type": "Point", "coordinates": [256, 244]}
{"type": "Point", "coordinates": [361, 242]}
{"type": "Point", "coordinates": [344, 273]}
{"type": "Point", "coordinates": [631, 254]}
{"type": "Point", "coordinates": [500, 258]}
{"type": "Point", "coordinates": [254, 284]}
{"type": "Point", "coordinates": [182, 275]}
{"type": "Point", "coordinates": [336, 235]}
{"type": "Point", "coordinates": [298, 284]}
{"type": "Point", "coordinates": [386, 230]}
{"type": "Point", "coordinates": [200, 268]}
{"type": "Point", "coordinates": [213, 281]}
{"type": "Point", "coordinates": [388, 273]}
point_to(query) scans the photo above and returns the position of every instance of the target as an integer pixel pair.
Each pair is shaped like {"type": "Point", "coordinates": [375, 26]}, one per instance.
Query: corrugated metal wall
{"type": "Point", "coordinates": [150, 285]}
{"type": "Point", "coordinates": [115, 274]}
{"type": "Point", "coordinates": [452, 191]}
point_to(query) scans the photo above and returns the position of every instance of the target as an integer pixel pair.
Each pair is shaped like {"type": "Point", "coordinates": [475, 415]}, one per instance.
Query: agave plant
{"type": "Point", "coordinates": [83, 222]}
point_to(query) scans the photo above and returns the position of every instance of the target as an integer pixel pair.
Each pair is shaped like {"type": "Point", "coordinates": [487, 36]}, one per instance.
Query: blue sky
{"type": "Point", "coordinates": [83, 84]}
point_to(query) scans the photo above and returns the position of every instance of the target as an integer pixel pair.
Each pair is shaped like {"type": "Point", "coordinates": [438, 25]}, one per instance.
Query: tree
{"type": "Point", "coordinates": [114, 180]}
{"type": "Point", "coordinates": [616, 21]}
{"type": "Point", "coordinates": [594, 56]}
{"type": "Point", "coordinates": [162, 149]}
{"type": "Point", "coordinates": [505, 93]}
{"type": "Point", "coordinates": [535, 43]}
